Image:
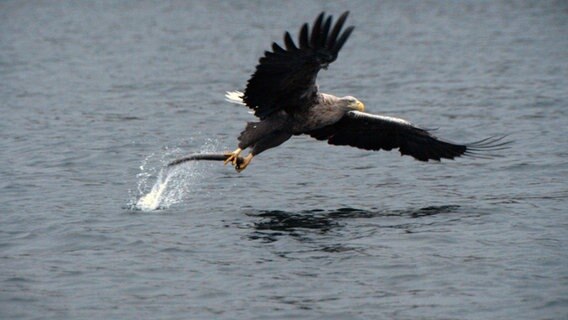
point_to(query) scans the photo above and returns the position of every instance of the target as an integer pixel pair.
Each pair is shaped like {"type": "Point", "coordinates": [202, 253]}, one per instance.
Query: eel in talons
{"type": "Point", "coordinates": [204, 156]}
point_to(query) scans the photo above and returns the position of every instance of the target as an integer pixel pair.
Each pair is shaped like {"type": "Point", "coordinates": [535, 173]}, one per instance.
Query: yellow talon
{"type": "Point", "coordinates": [233, 156]}
{"type": "Point", "coordinates": [245, 163]}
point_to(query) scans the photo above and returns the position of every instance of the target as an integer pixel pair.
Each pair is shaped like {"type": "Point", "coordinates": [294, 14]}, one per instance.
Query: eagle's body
{"type": "Point", "coordinates": [281, 125]}
{"type": "Point", "coordinates": [284, 95]}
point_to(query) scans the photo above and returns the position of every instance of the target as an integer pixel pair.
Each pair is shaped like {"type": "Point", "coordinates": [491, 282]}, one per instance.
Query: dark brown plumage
{"type": "Point", "coordinates": [373, 132]}
{"type": "Point", "coordinates": [286, 78]}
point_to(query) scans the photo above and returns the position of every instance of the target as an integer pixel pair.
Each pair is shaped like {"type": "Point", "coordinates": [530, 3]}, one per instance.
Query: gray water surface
{"type": "Point", "coordinates": [96, 97]}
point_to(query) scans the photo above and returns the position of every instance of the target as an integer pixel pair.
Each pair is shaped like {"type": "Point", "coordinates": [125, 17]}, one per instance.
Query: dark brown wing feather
{"type": "Point", "coordinates": [285, 78]}
{"type": "Point", "coordinates": [374, 132]}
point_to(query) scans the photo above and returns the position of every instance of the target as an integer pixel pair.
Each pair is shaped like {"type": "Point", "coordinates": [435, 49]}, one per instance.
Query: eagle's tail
{"type": "Point", "coordinates": [234, 97]}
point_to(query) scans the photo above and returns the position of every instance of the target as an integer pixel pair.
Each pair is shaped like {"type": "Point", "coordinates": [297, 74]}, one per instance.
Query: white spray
{"type": "Point", "coordinates": [172, 184]}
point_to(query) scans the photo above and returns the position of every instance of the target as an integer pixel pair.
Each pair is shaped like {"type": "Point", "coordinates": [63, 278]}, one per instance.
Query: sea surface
{"type": "Point", "coordinates": [97, 96]}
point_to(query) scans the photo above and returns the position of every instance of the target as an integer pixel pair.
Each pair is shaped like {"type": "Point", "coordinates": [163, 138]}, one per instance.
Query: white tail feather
{"type": "Point", "coordinates": [234, 97]}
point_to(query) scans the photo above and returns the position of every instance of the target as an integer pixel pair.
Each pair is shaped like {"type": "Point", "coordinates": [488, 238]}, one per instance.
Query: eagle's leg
{"type": "Point", "coordinates": [242, 166]}
{"type": "Point", "coordinates": [233, 156]}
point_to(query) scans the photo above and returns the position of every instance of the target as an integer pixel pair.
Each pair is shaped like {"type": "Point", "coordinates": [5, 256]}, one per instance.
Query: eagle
{"type": "Point", "coordinates": [283, 94]}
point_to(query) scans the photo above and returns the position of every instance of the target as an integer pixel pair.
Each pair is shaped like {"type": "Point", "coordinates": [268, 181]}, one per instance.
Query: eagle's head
{"type": "Point", "coordinates": [353, 103]}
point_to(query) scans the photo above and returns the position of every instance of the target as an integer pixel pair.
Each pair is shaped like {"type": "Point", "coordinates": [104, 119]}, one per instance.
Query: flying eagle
{"type": "Point", "coordinates": [284, 95]}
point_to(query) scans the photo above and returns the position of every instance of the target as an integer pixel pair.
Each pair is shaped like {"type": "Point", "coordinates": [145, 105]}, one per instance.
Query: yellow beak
{"type": "Point", "coordinates": [359, 106]}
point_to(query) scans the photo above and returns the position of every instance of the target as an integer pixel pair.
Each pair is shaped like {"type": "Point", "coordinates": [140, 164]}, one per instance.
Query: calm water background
{"type": "Point", "coordinates": [96, 96]}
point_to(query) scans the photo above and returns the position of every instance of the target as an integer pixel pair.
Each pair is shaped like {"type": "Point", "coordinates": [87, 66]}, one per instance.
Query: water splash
{"type": "Point", "coordinates": [151, 201]}
{"type": "Point", "coordinates": [170, 188]}
{"type": "Point", "coordinates": [172, 185]}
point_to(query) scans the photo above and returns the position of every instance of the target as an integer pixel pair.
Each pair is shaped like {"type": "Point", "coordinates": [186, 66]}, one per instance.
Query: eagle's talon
{"type": "Point", "coordinates": [233, 157]}
{"type": "Point", "coordinates": [243, 165]}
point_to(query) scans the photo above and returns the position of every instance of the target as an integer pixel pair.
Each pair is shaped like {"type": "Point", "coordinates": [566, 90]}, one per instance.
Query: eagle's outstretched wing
{"type": "Point", "coordinates": [374, 132]}
{"type": "Point", "coordinates": [285, 78]}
